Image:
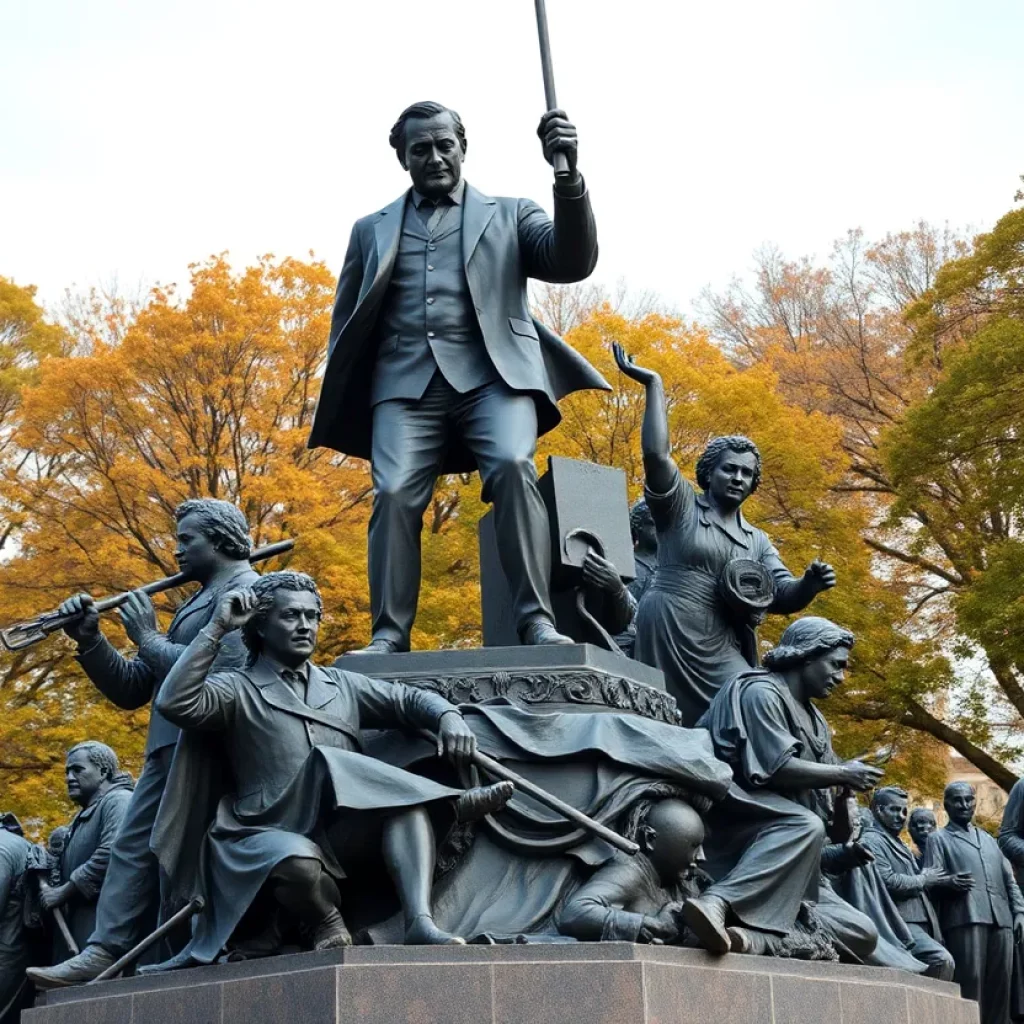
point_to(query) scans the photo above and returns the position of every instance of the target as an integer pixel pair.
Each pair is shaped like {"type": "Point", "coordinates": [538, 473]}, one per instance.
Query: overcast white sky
{"type": "Point", "coordinates": [139, 136]}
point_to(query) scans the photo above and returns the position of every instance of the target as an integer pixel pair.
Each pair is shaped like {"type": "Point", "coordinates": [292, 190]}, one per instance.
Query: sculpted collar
{"type": "Point", "coordinates": [120, 781]}
{"type": "Point", "coordinates": [969, 834]}
{"type": "Point", "coordinates": [284, 670]}
{"type": "Point", "coordinates": [738, 530]}
{"type": "Point", "coordinates": [267, 676]}
{"type": "Point", "coordinates": [454, 197]}
{"type": "Point", "coordinates": [872, 825]}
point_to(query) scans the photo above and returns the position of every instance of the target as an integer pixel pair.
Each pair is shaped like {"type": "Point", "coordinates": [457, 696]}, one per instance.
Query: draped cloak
{"type": "Point", "coordinates": [757, 726]}
{"type": "Point", "coordinates": [526, 861]}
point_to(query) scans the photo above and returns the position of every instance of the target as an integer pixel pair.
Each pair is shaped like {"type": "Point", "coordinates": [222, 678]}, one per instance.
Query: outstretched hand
{"type": "Point", "coordinates": [234, 610]}
{"type": "Point", "coordinates": [820, 575]}
{"type": "Point", "coordinates": [860, 776]}
{"type": "Point", "coordinates": [638, 373]}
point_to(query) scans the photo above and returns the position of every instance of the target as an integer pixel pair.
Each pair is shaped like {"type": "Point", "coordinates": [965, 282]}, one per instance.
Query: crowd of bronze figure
{"type": "Point", "coordinates": [288, 806]}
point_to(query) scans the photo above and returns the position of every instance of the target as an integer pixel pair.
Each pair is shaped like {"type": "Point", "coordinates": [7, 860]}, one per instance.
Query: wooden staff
{"type": "Point", "coordinates": [496, 768]}
{"type": "Point", "coordinates": [191, 908]}
{"type": "Point", "coordinates": [25, 634]}
{"type": "Point", "coordinates": [65, 931]}
{"type": "Point", "coordinates": [559, 161]}
{"type": "Point", "coordinates": [488, 764]}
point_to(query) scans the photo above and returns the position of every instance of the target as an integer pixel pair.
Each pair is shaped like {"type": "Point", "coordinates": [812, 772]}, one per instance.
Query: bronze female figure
{"type": "Point", "coordinates": [717, 575]}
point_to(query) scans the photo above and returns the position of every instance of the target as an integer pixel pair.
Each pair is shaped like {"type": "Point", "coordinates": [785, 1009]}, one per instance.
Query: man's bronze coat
{"type": "Point", "coordinates": [504, 242]}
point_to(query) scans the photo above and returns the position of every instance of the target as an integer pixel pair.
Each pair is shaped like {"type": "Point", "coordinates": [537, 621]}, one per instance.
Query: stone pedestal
{"type": "Point", "coordinates": [577, 676]}
{"type": "Point", "coordinates": [586, 983]}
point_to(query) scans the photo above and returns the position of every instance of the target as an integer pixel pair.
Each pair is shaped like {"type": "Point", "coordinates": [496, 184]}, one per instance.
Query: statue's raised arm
{"type": "Point", "coordinates": [718, 576]}
{"type": "Point", "coordinates": [660, 472]}
{"type": "Point", "coordinates": [436, 364]}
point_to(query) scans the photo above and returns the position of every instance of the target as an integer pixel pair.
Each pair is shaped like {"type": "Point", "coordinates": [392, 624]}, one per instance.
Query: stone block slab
{"type": "Point", "coordinates": [415, 994]}
{"type": "Point", "coordinates": [581, 983]}
{"type": "Point", "coordinates": [568, 993]}
{"type": "Point", "coordinates": [203, 1006]}
{"type": "Point", "coordinates": [797, 1000]}
{"type": "Point", "coordinates": [112, 1009]}
{"type": "Point", "coordinates": [868, 1004]}
{"type": "Point", "coordinates": [696, 995]}
{"type": "Point", "coordinates": [513, 660]}
{"type": "Point", "coordinates": [297, 997]}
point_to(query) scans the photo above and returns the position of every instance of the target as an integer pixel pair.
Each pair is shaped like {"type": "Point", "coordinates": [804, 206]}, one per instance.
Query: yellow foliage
{"type": "Point", "coordinates": [212, 393]}
{"type": "Point", "coordinates": [206, 395]}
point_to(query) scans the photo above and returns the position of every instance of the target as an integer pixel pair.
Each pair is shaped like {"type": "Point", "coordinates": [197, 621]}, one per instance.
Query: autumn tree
{"type": "Point", "coordinates": [804, 462]}
{"type": "Point", "coordinates": [882, 338]}
{"type": "Point", "coordinates": [210, 393]}
{"type": "Point", "coordinates": [26, 340]}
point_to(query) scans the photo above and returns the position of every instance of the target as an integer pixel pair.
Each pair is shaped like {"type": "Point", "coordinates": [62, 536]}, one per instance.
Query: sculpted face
{"type": "Point", "coordinates": [290, 629]}
{"type": "Point", "coordinates": [922, 825]}
{"type": "Point", "coordinates": [822, 675]}
{"type": "Point", "coordinates": [83, 778]}
{"type": "Point", "coordinates": [196, 553]}
{"type": "Point", "coordinates": [732, 479]}
{"type": "Point", "coordinates": [959, 803]}
{"type": "Point", "coordinates": [675, 841]}
{"type": "Point", "coordinates": [891, 813]}
{"type": "Point", "coordinates": [646, 538]}
{"type": "Point", "coordinates": [433, 155]}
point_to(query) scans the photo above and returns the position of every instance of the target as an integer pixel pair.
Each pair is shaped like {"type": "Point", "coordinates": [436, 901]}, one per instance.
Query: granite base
{"type": "Point", "coordinates": [592, 983]}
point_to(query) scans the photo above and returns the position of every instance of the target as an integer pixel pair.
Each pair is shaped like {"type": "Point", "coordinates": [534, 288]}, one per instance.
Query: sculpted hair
{"type": "Point", "coordinates": [102, 756]}
{"type": "Point", "coordinates": [881, 796]}
{"type": "Point", "coordinates": [920, 812]}
{"type": "Point", "coordinates": [954, 786]}
{"type": "Point", "coordinates": [422, 112]}
{"type": "Point", "coordinates": [639, 517]}
{"type": "Point", "coordinates": [806, 639]}
{"type": "Point", "coordinates": [717, 448]}
{"type": "Point", "coordinates": [220, 521]}
{"type": "Point", "coordinates": [266, 589]}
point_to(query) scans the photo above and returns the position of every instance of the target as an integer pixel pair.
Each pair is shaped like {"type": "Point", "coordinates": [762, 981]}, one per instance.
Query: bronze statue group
{"type": "Point", "coordinates": [291, 806]}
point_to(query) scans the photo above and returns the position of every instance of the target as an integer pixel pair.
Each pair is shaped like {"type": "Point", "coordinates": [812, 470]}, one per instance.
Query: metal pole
{"type": "Point", "coordinates": [25, 634]}
{"type": "Point", "coordinates": [488, 764]}
{"type": "Point", "coordinates": [65, 931]}
{"type": "Point", "coordinates": [560, 162]}
{"type": "Point", "coordinates": [191, 908]}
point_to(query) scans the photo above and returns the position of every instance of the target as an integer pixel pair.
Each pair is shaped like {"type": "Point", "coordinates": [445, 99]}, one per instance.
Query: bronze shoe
{"type": "Point", "coordinates": [381, 645]}
{"type": "Point", "coordinates": [83, 967]}
{"type": "Point", "coordinates": [748, 940]}
{"type": "Point", "coordinates": [541, 632]}
{"type": "Point", "coordinates": [705, 917]}
{"type": "Point", "coordinates": [331, 933]}
{"type": "Point", "coordinates": [476, 803]}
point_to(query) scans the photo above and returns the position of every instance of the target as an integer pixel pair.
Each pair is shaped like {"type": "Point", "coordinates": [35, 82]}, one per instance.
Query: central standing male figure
{"type": "Point", "coordinates": [435, 365]}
